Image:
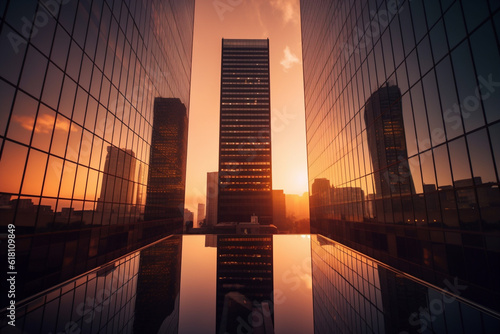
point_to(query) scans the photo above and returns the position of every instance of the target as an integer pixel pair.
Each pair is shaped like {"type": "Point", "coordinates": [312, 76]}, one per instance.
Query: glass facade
{"type": "Point", "coordinates": [250, 284]}
{"type": "Point", "coordinates": [245, 178]}
{"type": "Point", "coordinates": [402, 122]}
{"type": "Point", "coordinates": [77, 90]}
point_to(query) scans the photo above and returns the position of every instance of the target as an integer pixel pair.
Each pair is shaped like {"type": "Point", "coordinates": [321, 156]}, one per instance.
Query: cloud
{"type": "Point", "coordinates": [288, 59]}
{"type": "Point", "coordinates": [288, 8]}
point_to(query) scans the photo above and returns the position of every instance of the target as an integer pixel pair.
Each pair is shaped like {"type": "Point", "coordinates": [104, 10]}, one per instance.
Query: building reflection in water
{"type": "Point", "coordinates": [244, 284]}
{"type": "Point", "coordinates": [253, 284]}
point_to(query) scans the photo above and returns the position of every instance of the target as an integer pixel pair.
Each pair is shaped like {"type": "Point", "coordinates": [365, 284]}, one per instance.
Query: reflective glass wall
{"type": "Point", "coordinates": [403, 141]}
{"type": "Point", "coordinates": [77, 87]}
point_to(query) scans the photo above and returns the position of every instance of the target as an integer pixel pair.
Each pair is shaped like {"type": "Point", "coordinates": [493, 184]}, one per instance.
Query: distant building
{"type": "Point", "coordinates": [117, 189]}
{"type": "Point", "coordinates": [212, 196]}
{"type": "Point", "coordinates": [201, 213]}
{"type": "Point", "coordinates": [245, 177]}
{"type": "Point", "coordinates": [167, 165]}
{"type": "Point", "coordinates": [188, 219]}
{"type": "Point", "coordinates": [279, 210]}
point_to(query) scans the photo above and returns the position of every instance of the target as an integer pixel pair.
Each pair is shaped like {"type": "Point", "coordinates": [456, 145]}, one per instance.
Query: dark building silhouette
{"type": "Point", "coordinates": [244, 284]}
{"type": "Point", "coordinates": [387, 142]}
{"type": "Point", "coordinates": [77, 96]}
{"type": "Point", "coordinates": [158, 288]}
{"type": "Point", "coordinates": [279, 209]}
{"type": "Point", "coordinates": [167, 165]}
{"type": "Point", "coordinates": [409, 121]}
{"type": "Point", "coordinates": [212, 197]}
{"type": "Point", "coordinates": [245, 178]}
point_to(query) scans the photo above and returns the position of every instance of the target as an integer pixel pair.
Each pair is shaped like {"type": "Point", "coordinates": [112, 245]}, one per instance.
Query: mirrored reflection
{"type": "Point", "coordinates": [250, 284]}
{"type": "Point", "coordinates": [353, 293]}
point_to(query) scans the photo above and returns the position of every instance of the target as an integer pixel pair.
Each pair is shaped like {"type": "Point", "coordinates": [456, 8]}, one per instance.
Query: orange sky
{"type": "Point", "coordinates": [278, 20]}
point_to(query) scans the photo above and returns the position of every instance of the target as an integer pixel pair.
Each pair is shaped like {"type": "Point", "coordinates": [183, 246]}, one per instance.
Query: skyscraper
{"type": "Point", "coordinates": [77, 89]}
{"type": "Point", "coordinates": [245, 180]}
{"type": "Point", "coordinates": [167, 165]}
{"type": "Point", "coordinates": [212, 196]}
{"type": "Point", "coordinates": [201, 213]}
{"type": "Point", "coordinates": [407, 94]}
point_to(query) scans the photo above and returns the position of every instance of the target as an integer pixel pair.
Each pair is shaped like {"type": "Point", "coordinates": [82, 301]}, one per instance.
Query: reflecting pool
{"type": "Point", "coordinates": [249, 284]}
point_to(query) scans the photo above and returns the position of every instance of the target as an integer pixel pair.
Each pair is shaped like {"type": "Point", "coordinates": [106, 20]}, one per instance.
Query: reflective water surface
{"type": "Point", "coordinates": [250, 284]}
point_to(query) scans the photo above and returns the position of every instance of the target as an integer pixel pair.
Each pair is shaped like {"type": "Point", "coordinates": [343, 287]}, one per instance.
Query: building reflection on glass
{"type": "Point", "coordinates": [350, 293]}
{"type": "Point", "coordinates": [244, 284]}
{"type": "Point", "coordinates": [400, 105]}
{"type": "Point", "coordinates": [167, 165]}
{"type": "Point", "coordinates": [76, 126]}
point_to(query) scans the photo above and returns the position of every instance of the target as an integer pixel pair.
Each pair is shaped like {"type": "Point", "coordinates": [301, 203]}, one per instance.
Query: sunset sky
{"type": "Point", "coordinates": [278, 20]}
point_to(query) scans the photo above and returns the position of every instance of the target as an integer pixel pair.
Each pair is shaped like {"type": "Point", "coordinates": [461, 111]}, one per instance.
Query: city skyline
{"type": "Point", "coordinates": [280, 22]}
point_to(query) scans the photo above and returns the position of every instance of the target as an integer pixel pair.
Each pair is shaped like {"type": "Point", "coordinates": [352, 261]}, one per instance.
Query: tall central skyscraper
{"type": "Point", "coordinates": [245, 132]}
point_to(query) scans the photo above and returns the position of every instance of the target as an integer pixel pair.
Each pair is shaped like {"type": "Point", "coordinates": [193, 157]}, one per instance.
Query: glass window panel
{"type": "Point", "coordinates": [438, 41]}
{"type": "Point", "coordinates": [85, 73]}
{"type": "Point", "coordinates": [80, 106]}
{"type": "Point", "coordinates": [6, 99]}
{"type": "Point", "coordinates": [60, 48]}
{"type": "Point", "coordinates": [12, 164]}
{"type": "Point", "coordinates": [73, 148]}
{"type": "Point", "coordinates": [52, 177]}
{"type": "Point", "coordinates": [387, 47]}
{"type": "Point", "coordinates": [414, 165]}
{"type": "Point", "coordinates": [105, 88]}
{"type": "Point", "coordinates": [449, 103]}
{"type": "Point", "coordinates": [487, 61]}
{"type": "Point", "coordinates": [26, 212]}
{"type": "Point", "coordinates": [67, 97]}
{"type": "Point", "coordinates": [476, 11]}
{"type": "Point", "coordinates": [44, 35]}
{"type": "Point", "coordinates": [425, 55]}
{"type": "Point", "coordinates": [412, 67]}
{"type": "Point", "coordinates": [420, 116]}
{"type": "Point", "coordinates": [67, 14]}
{"type": "Point", "coordinates": [33, 72]}
{"type": "Point", "coordinates": [74, 61]}
{"type": "Point", "coordinates": [80, 182]}
{"type": "Point", "coordinates": [407, 30]}
{"type": "Point", "coordinates": [435, 120]}
{"type": "Point", "coordinates": [92, 182]}
{"type": "Point", "coordinates": [427, 166]}
{"type": "Point", "coordinates": [93, 29]}
{"type": "Point", "coordinates": [418, 18]}
{"type": "Point", "coordinates": [442, 165]}
{"type": "Point", "coordinates": [19, 10]}
{"type": "Point", "coordinates": [455, 28]}
{"type": "Point", "coordinates": [82, 18]}
{"type": "Point", "coordinates": [60, 138]}
{"type": "Point", "coordinates": [43, 128]}
{"type": "Point", "coordinates": [402, 78]}
{"type": "Point", "coordinates": [22, 118]}
{"type": "Point", "coordinates": [52, 87]}
{"type": "Point", "coordinates": [13, 50]}
{"type": "Point", "coordinates": [35, 170]}
{"type": "Point", "coordinates": [68, 180]}
{"type": "Point", "coordinates": [101, 121]}
{"type": "Point", "coordinates": [432, 11]}
{"type": "Point", "coordinates": [108, 134]}
{"type": "Point", "coordinates": [459, 160]}
{"type": "Point", "coordinates": [96, 153]}
{"type": "Point", "coordinates": [90, 117]}
{"type": "Point", "coordinates": [96, 82]}
{"type": "Point", "coordinates": [472, 113]}
{"type": "Point", "coordinates": [480, 156]}
{"type": "Point", "coordinates": [85, 148]}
